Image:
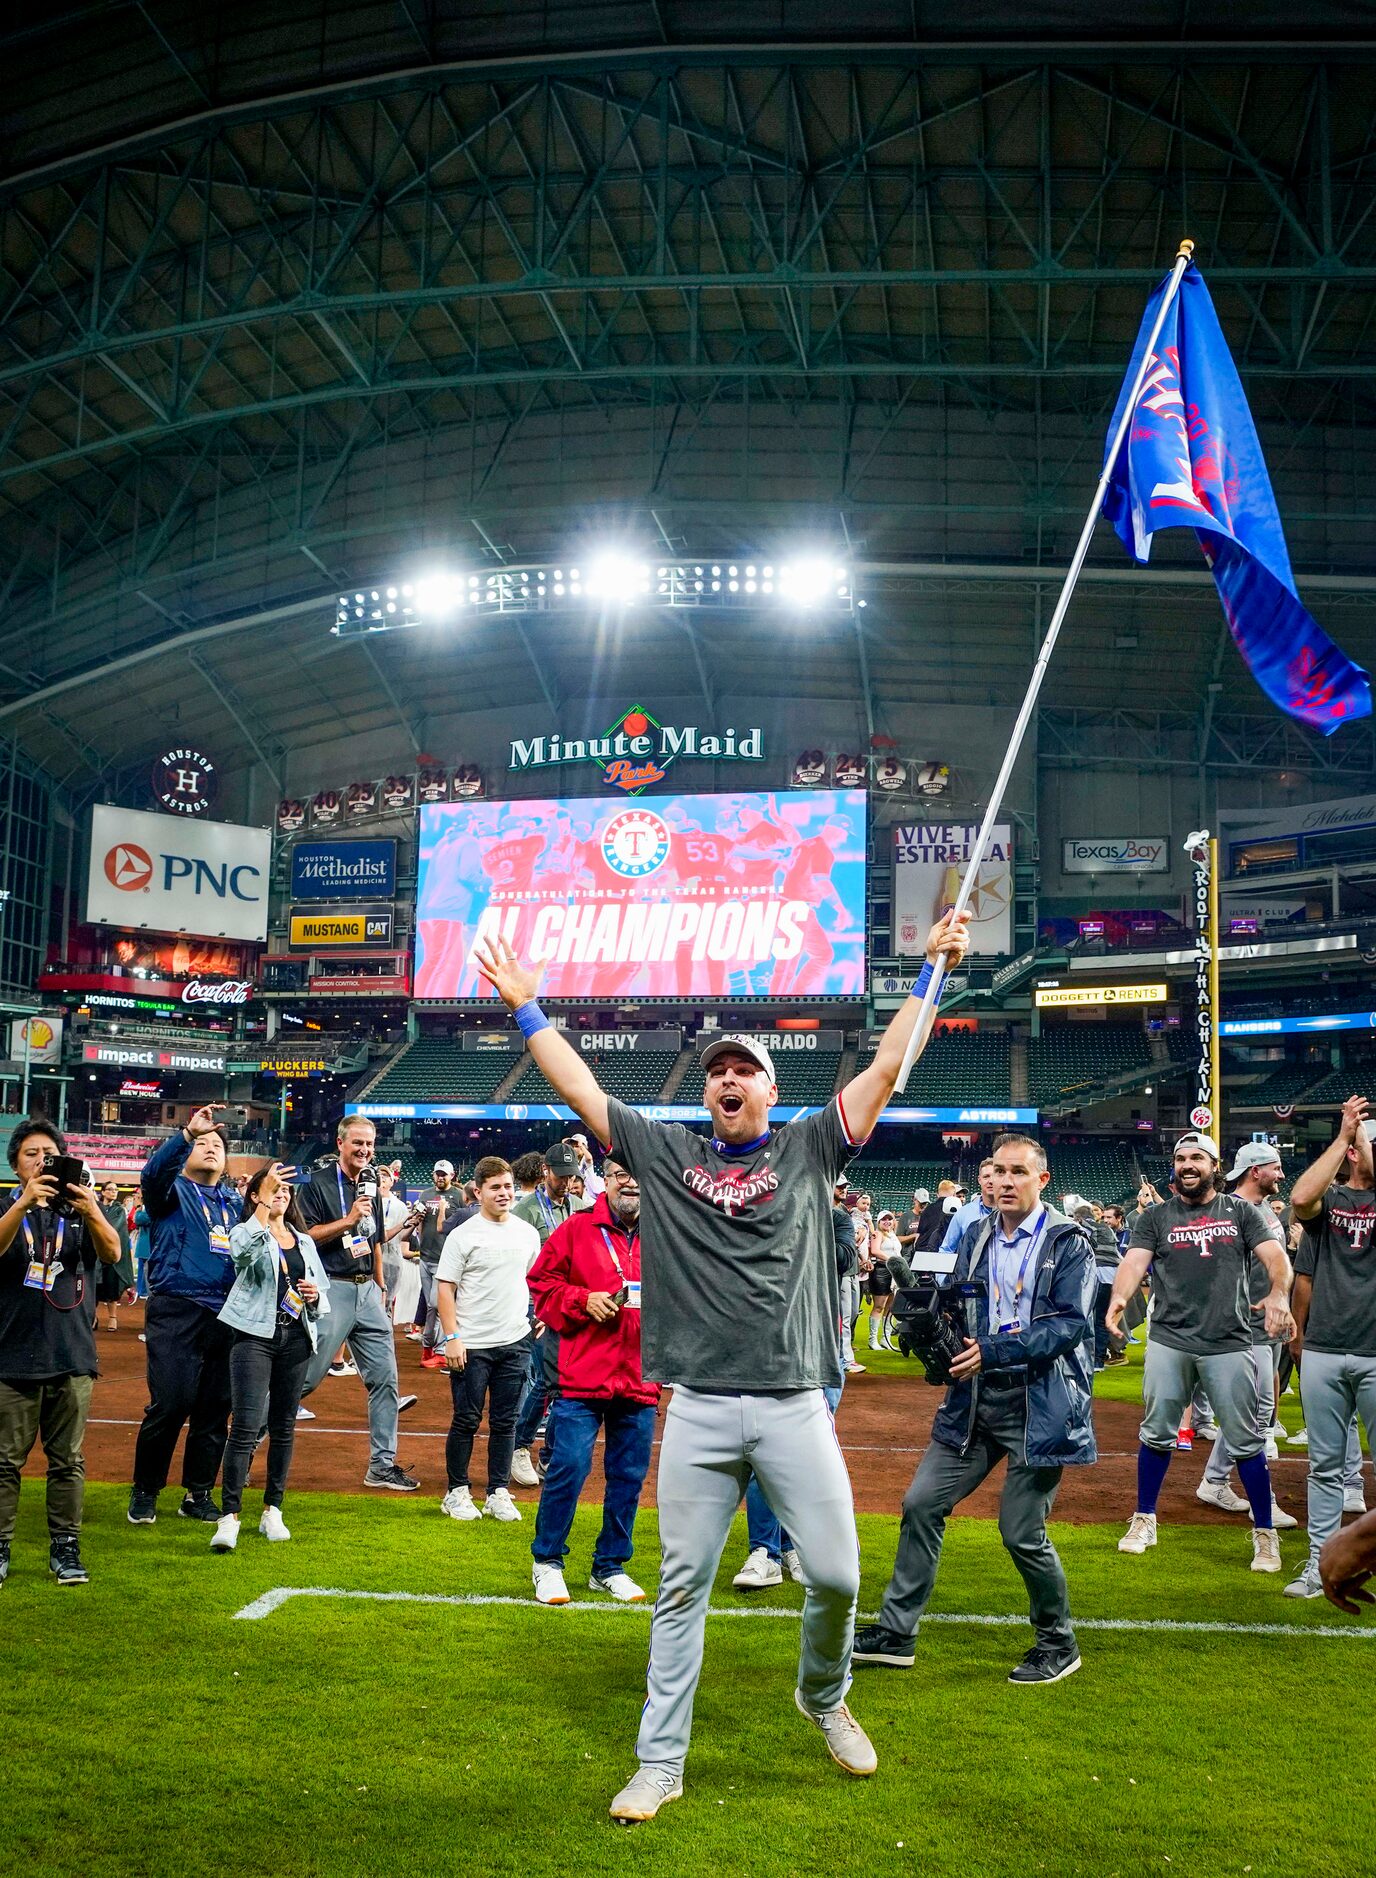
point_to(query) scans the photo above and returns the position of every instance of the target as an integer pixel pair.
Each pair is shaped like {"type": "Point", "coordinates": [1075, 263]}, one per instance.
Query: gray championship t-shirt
{"type": "Point", "coordinates": [1338, 1253]}
{"type": "Point", "coordinates": [738, 1265]}
{"type": "Point", "coordinates": [1201, 1271]}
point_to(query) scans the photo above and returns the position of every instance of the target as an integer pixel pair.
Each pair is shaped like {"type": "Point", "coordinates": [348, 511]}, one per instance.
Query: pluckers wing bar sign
{"type": "Point", "coordinates": [636, 750]}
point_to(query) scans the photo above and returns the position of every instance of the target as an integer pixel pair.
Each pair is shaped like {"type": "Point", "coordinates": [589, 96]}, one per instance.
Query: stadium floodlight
{"type": "Point", "coordinates": [439, 594]}
{"type": "Point", "coordinates": [812, 580]}
{"type": "Point", "coordinates": [616, 577]}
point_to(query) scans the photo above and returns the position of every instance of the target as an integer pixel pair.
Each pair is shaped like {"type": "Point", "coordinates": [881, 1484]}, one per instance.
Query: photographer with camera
{"type": "Point", "coordinates": [51, 1240]}
{"type": "Point", "coordinates": [341, 1211]}
{"type": "Point", "coordinates": [1018, 1312]}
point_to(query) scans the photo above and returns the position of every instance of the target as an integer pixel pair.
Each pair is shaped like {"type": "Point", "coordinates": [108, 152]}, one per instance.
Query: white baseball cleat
{"type": "Point", "coordinates": [618, 1585]}
{"type": "Point", "coordinates": [847, 1743]}
{"type": "Point", "coordinates": [1218, 1493]}
{"type": "Point", "coordinates": [644, 1793]}
{"type": "Point", "coordinates": [758, 1571]}
{"type": "Point", "coordinates": [1140, 1534]}
{"type": "Point", "coordinates": [1265, 1549]}
{"type": "Point", "coordinates": [1308, 1584]}
{"type": "Point", "coordinates": [1354, 1500]}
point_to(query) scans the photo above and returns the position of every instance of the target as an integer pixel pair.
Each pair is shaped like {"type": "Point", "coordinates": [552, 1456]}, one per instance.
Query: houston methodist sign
{"type": "Point", "coordinates": [209, 878]}
{"type": "Point", "coordinates": [637, 750]}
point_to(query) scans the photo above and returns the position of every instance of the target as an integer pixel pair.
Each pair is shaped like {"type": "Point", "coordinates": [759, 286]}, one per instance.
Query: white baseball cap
{"type": "Point", "coordinates": [739, 1046]}
{"type": "Point", "coordinates": [1206, 1142]}
{"type": "Point", "coordinates": [1254, 1154]}
{"type": "Point", "coordinates": [922, 1195]}
{"type": "Point", "coordinates": [443, 1167]}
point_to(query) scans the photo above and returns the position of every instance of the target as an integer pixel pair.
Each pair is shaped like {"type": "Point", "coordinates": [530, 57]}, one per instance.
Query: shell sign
{"type": "Point", "coordinates": [41, 1035]}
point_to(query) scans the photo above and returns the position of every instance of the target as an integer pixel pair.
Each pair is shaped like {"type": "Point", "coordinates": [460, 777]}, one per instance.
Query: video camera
{"type": "Point", "coordinates": [929, 1318]}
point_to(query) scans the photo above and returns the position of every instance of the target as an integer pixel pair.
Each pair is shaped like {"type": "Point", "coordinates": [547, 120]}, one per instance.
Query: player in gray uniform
{"type": "Point", "coordinates": [745, 1215]}
{"type": "Point", "coordinates": [1200, 1246]}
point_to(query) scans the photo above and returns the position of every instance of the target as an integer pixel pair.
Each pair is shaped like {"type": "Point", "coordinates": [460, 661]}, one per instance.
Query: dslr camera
{"type": "Point", "coordinates": [930, 1320]}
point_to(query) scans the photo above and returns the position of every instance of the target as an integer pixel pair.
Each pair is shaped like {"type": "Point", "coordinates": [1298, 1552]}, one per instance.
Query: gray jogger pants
{"type": "Point", "coordinates": [1333, 1389]}
{"type": "Point", "coordinates": [1168, 1382]}
{"type": "Point", "coordinates": [1222, 1457]}
{"type": "Point", "coordinates": [712, 1444]}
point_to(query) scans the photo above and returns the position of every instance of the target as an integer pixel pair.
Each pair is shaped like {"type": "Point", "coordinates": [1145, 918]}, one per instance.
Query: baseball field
{"type": "Point", "coordinates": [381, 1696]}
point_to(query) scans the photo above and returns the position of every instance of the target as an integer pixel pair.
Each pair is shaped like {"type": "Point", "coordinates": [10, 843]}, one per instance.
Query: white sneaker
{"type": "Point", "coordinates": [272, 1525]}
{"type": "Point", "coordinates": [847, 1743]}
{"type": "Point", "coordinates": [1308, 1584]}
{"type": "Point", "coordinates": [500, 1505]}
{"type": "Point", "coordinates": [855, 1369]}
{"type": "Point", "coordinates": [458, 1504]}
{"type": "Point", "coordinates": [1354, 1500]}
{"type": "Point", "coordinates": [1265, 1549]}
{"type": "Point", "coordinates": [226, 1534]}
{"type": "Point", "coordinates": [1277, 1431]}
{"type": "Point", "coordinates": [618, 1585]}
{"type": "Point", "coordinates": [523, 1469]}
{"type": "Point", "coordinates": [347, 1368]}
{"type": "Point", "coordinates": [1207, 1431]}
{"type": "Point", "coordinates": [793, 1565]}
{"type": "Point", "coordinates": [1140, 1534]}
{"type": "Point", "coordinates": [758, 1571]}
{"type": "Point", "coordinates": [1300, 1438]}
{"type": "Point", "coordinates": [644, 1793]}
{"type": "Point", "coordinates": [1280, 1519]}
{"type": "Point", "coordinates": [303, 1414]}
{"type": "Point", "coordinates": [1218, 1493]}
{"type": "Point", "coordinates": [1270, 1450]}
{"type": "Point", "coordinates": [549, 1584]}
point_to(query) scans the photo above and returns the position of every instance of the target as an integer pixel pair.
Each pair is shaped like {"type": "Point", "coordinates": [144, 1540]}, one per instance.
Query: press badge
{"type": "Point", "coordinates": [41, 1277]}
{"type": "Point", "coordinates": [292, 1301]}
{"type": "Point", "coordinates": [632, 1294]}
{"type": "Point", "coordinates": [219, 1239]}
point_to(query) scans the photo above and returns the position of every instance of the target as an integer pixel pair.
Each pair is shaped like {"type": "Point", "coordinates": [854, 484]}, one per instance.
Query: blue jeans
{"type": "Point", "coordinates": [544, 1386]}
{"type": "Point", "coordinates": [763, 1530]}
{"type": "Point", "coordinates": [628, 1435]}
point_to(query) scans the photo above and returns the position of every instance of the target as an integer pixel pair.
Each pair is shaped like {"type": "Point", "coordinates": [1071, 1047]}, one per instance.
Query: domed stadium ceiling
{"type": "Point", "coordinates": [298, 297]}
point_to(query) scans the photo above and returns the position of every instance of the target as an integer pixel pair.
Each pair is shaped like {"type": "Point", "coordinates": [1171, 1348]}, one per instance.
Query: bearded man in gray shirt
{"type": "Point", "coordinates": [746, 1214]}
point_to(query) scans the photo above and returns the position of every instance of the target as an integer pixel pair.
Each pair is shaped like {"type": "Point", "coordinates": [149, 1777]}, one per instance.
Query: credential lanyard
{"type": "Point", "coordinates": [1033, 1246]}
{"type": "Point", "coordinates": [632, 1245]}
{"type": "Point", "coordinates": [48, 1253]}
{"type": "Point", "coordinates": [224, 1214]}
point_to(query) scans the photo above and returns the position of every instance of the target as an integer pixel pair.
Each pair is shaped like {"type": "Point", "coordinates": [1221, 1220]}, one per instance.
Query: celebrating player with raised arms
{"type": "Point", "coordinates": [741, 1218]}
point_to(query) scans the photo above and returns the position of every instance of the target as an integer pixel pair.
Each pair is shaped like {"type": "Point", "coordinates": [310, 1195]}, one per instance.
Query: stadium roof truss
{"type": "Point", "coordinates": [283, 330]}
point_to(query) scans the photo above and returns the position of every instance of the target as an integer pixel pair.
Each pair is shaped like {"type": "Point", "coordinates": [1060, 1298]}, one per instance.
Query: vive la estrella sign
{"type": "Point", "coordinates": [636, 750]}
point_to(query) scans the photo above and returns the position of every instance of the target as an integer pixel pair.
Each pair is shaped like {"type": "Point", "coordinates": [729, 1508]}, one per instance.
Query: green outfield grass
{"type": "Point", "coordinates": [152, 1733]}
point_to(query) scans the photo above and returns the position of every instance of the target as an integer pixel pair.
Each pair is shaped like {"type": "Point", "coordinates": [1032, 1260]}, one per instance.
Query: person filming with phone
{"type": "Point", "coordinates": [53, 1236]}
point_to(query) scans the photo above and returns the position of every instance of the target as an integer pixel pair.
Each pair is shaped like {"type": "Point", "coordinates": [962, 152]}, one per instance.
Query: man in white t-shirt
{"type": "Point", "coordinates": [482, 1298]}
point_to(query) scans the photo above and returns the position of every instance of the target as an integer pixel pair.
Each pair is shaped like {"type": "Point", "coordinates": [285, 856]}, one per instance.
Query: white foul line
{"type": "Point", "coordinates": [273, 1600]}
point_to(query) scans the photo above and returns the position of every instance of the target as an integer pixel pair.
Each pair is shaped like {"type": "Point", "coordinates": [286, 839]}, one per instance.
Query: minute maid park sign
{"type": "Point", "coordinates": [637, 750]}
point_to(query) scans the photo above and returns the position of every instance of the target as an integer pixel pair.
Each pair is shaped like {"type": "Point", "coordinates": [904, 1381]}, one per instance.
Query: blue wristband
{"type": "Point", "coordinates": [924, 978]}
{"type": "Point", "coordinates": [530, 1018]}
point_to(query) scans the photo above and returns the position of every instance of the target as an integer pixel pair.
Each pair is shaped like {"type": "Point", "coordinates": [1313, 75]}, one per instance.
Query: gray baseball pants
{"type": "Point", "coordinates": [1333, 1389]}
{"type": "Point", "coordinates": [712, 1444]}
{"type": "Point", "coordinates": [1264, 1366]}
{"type": "Point", "coordinates": [1168, 1382]}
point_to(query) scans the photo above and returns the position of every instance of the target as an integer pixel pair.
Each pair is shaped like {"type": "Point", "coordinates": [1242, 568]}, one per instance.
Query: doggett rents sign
{"type": "Point", "coordinates": [154, 871]}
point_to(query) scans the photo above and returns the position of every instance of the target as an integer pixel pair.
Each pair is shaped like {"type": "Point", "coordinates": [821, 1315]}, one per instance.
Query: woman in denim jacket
{"type": "Point", "coordinates": [280, 1290]}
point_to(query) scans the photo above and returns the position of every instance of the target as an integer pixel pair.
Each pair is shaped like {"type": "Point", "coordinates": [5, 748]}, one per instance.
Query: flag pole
{"type": "Point", "coordinates": [926, 1016]}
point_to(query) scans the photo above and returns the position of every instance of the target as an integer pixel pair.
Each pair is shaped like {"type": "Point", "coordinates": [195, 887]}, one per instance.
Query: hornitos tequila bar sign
{"type": "Point", "coordinates": [637, 750]}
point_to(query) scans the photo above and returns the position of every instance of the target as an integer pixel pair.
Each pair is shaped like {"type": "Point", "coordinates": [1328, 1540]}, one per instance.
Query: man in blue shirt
{"type": "Point", "coordinates": [191, 1206]}
{"type": "Point", "coordinates": [1020, 1392]}
{"type": "Point", "coordinates": [973, 1210]}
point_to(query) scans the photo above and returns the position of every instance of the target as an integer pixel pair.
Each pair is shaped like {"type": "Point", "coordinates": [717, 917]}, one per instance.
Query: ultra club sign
{"type": "Point", "coordinates": [637, 750]}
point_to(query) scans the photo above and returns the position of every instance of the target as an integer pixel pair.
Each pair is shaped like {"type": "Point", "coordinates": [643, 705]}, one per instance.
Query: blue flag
{"type": "Point", "coordinates": [1191, 459]}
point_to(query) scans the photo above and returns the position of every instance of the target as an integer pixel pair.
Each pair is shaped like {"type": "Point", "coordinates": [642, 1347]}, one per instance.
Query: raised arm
{"type": "Point", "coordinates": [517, 985]}
{"type": "Point", "coordinates": [865, 1096]}
{"type": "Point", "coordinates": [1306, 1197]}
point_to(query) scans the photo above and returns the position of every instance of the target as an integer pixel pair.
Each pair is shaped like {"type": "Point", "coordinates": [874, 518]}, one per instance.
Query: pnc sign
{"type": "Point", "coordinates": [636, 750]}
{"type": "Point", "coordinates": [209, 878]}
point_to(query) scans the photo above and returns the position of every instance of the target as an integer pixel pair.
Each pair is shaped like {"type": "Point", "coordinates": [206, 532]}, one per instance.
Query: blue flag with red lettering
{"type": "Point", "coordinates": [1191, 459]}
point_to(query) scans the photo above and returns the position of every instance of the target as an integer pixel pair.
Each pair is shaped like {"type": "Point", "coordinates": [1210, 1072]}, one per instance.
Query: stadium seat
{"type": "Point", "coordinates": [1069, 1058]}
{"type": "Point", "coordinates": [959, 1070]}
{"type": "Point", "coordinates": [434, 1070]}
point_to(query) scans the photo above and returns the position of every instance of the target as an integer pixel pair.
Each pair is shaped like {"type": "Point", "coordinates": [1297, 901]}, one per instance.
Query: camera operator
{"type": "Point", "coordinates": [49, 1248]}
{"type": "Point", "coordinates": [192, 1208]}
{"type": "Point", "coordinates": [341, 1212]}
{"type": "Point", "coordinates": [1020, 1390]}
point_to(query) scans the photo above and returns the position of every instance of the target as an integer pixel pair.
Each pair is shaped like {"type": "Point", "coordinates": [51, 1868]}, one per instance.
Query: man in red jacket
{"type": "Point", "coordinates": [586, 1285]}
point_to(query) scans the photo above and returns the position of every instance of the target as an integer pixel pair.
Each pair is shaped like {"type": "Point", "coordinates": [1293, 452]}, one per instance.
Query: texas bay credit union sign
{"type": "Point", "coordinates": [636, 750]}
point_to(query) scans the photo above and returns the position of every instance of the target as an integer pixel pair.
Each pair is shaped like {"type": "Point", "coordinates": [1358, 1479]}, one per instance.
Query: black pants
{"type": "Point", "coordinates": [267, 1374]}
{"type": "Point", "coordinates": [501, 1373]}
{"type": "Point", "coordinates": [188, 1383]}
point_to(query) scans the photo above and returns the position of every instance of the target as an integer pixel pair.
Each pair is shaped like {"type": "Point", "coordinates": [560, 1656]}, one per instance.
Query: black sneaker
{"type": "Point", "coordinates": [4, 1560]}
{"type": "Point", "coordinates": [143, 1508]}
{"type": "Point", "coordinates": [64, 1562]}
{"type": "Point", "coordinates": [406, 1402]}
{"type": "Point", "coordinates": [874, 1644]}
{"type": "Point", "coordinates": [394, 1477]}
{"type": "Point", "coordinates": [1047, 1663]}
{"type": "Point", "coordinates": [199, 1506]}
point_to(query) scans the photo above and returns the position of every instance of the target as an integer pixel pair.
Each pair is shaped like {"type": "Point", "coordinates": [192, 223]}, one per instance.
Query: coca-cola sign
{"type": "Point", "coordinates": [230, 991]}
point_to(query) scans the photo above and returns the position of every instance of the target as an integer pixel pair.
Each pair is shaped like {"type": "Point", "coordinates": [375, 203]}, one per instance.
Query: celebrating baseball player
{"type": "Point", "coordinates": [743, 1215]}
{"type": "Point", "coordinates": [1200, 1246]}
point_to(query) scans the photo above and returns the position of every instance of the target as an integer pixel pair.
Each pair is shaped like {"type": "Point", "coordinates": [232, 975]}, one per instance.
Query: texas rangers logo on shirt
{"type": "Point", "coordinates": [1200, 1233]}
{"type": "Point", "coordinates": [1355, 1224]}
{"type": "Point", "coordinates": [635, 844]}
{"type": "Point", "coordinates": [733, 1191]}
